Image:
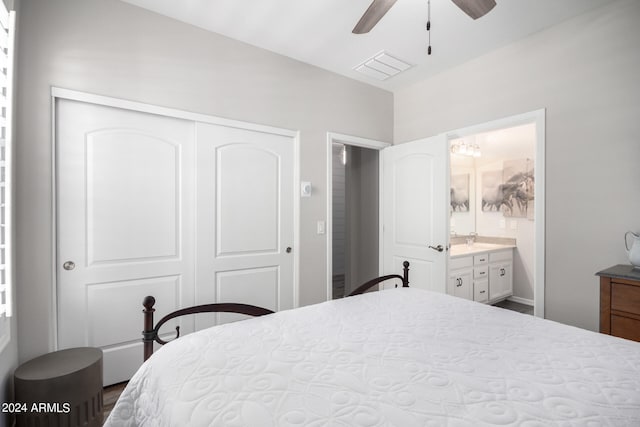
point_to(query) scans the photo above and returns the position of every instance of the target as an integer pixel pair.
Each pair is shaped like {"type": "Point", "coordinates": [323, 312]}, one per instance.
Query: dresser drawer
{"type": "Point", "coordinates": [625, 327]}
{"type": "Point", "coordinates": [625, 298]}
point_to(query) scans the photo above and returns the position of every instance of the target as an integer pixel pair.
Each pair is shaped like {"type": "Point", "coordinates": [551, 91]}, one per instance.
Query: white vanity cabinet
{"type": "Point", "coordinates": [482, 276]}
{"type": "Point", "coordinates": [461, 277]}
{"type": "Point", "coordinates": [500, 275]}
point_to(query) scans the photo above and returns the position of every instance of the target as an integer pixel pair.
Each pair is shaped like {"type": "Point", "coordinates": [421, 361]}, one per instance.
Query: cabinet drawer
{"type": "Point", "coordinates": [501, 256]}
{"type": "Point", "coordinates": [480, 259]}
{"type": "Point", "coordinates": [481, 272]}
{"type": "Point", "coordinates": [462, 262]}
{"type": "Point", "coordinates": [481, 290]}
{"type": "Point", "coordinates": [625, 298]}
{"type": "Point", "coordinates": [625, 327]}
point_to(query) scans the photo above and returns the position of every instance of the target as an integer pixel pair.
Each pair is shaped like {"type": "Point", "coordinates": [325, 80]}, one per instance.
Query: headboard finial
{"type": "Point", "coordinates": [405, 274]}
{"type": "Point", "coordinates": [149, 302]}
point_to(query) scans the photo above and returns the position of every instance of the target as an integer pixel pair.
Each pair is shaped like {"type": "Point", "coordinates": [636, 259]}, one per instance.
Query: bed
{"type": "Point", "coordinates": [401, 357]}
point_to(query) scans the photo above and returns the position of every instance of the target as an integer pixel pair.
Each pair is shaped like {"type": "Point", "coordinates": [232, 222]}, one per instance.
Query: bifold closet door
{"type": "Point", "coordinates": [125, 196]}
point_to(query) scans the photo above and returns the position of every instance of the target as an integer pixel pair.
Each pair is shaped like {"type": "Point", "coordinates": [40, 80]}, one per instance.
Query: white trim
{"type": "Point", "coordinates": [357, 141]}
{"type": "Point", "coordinates": [373, 144]}
{"type": "Point", "coordinates": [520, 300]}
{"type": "Point", "coordinates": [73, 95]}
{"type": "Point", "coordinates": [538, 118]}
{"type": "Point", "coordinates": [60, 93]}
{"type": "Point", "coordinates": [296, 220]}
{"type": "Point", "coordinates": [53, 316]}
{"type": "Point", "coordinates": [539, 215]}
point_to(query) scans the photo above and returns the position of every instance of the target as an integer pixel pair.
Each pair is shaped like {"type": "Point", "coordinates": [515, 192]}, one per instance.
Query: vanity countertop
{"type": "Point", "coordinates": [463, 249]}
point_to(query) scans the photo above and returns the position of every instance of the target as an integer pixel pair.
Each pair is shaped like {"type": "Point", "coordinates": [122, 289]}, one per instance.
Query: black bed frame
{"type": "Point", "coordinates": [150, 334]}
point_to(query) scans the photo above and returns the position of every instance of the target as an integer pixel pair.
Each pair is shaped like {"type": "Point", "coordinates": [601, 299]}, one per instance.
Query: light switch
{"type": "Point", "coordinates": [321, 228]}
{"type": "Point", "coordinates": [503, 223]}
{"type": "Point", "coordinates": [513, 224]}
{"type": "Point", "coordinates": [305, 189]}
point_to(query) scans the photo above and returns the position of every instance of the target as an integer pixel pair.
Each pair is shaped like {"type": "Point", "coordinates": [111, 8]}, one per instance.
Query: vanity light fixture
{"type": "Point", "coordinates": [466, 149]}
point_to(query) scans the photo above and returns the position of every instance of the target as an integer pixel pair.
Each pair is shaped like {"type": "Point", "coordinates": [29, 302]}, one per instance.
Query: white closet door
{"type": "Point", "coordinates": [244, 219]}
{"type": "Point", "coordinates": [415, 211]}
{"type": "Point", "coordinates": [125, 226]}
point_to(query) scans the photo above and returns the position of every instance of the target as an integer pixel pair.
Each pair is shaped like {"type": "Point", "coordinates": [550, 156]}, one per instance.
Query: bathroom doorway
{"type": "Point", "coordinates": [497, 194]}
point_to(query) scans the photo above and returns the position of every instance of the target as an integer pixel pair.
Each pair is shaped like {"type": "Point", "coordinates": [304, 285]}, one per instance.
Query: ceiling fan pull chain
{"type": "Point", "coordinates": [429, 26]}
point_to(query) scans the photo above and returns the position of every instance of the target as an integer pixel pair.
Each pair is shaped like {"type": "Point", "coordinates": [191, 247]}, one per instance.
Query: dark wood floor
{"type": "Point", "coordinates": [110, 396]}
{"type": "Point", "coordinates": [515, 306]}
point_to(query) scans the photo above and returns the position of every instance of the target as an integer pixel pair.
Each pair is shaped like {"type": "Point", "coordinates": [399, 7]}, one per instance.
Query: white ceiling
{"type": "Point", "coordinates": [318, 32]}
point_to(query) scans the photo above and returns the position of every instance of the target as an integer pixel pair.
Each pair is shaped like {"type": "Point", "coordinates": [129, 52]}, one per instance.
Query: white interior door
{"type": "Point", "coordinates": [415, 211]}
{"type": "Point", "coordinates": [125, 226]}
{"type": "Point", "coordinates": [244, 219]}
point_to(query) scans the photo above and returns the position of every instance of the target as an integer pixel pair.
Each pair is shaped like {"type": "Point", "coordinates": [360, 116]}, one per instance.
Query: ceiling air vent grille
{"type": "Point", "coordinates": [382, 66]}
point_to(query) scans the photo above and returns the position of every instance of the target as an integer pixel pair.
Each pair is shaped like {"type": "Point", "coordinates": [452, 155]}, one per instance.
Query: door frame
{"type": "Point", "coordinates": [356, 141]}
{"type": "Point", "coordinates": [73, 95]}
{"type": "Point", "coordinates": [536, 117]}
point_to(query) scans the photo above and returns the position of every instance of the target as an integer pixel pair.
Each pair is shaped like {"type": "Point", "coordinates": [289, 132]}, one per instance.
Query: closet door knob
{"type": "Point", "coordinates": [69, 265]}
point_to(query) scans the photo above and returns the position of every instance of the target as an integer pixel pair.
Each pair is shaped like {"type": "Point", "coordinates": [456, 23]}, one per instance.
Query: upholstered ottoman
{"type": "Point", "coordinates": [63, 388]}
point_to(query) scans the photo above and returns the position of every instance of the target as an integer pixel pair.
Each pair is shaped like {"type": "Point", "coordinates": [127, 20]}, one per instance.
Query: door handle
{"type": "Point", "coordinates": [69, 265]}
{"type": "Point", "coordinates": [288, 249]}
{"type": "Point", "coordinates": [438, 248]}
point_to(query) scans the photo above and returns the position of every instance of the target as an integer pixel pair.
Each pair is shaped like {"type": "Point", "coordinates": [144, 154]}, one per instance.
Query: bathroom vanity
{"type": "Point", "coordinates": [481, 272]}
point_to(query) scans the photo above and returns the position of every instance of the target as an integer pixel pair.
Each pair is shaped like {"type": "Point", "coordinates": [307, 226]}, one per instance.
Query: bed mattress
{"type": "Point", "coordinates": [403, 357]}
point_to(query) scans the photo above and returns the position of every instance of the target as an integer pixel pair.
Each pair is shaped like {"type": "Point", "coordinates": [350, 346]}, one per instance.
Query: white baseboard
{"type": "Point", "coordinates": [524, 301]}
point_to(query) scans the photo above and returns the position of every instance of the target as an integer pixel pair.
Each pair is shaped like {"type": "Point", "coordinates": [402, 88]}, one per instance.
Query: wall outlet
{"type": "Point", "coordinates": [321, 227]}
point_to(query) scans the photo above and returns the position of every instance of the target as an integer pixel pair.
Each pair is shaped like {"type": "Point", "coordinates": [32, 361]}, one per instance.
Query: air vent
{"type": "Point", "coordinates": [382, 66]}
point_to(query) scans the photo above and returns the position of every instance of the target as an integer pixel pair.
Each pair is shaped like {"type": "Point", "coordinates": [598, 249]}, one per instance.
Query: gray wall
{"type": "Point", "coordinates": [115, 49]}
{"type": "Point", "coordinates": [585, 73]}
{"type": "Point", "coordinates": [362, 211]}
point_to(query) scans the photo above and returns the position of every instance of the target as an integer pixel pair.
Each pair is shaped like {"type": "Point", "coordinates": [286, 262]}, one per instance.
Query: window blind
{"type": "Point", "coordinates": [7, 25]}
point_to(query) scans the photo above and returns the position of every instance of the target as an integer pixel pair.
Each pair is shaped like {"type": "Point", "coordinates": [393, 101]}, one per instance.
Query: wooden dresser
{"type": "Point", "coordinates": [620, 301]}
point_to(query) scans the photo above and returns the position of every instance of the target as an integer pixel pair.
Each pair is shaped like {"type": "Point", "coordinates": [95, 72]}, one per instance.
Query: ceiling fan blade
{"type": "Point", "coordinates": [374, 13]}
{"type": "Point", "coordinates": [475, 8]}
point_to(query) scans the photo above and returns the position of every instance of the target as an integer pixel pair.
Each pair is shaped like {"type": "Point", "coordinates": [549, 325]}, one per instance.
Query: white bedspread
{"type": "Point", "coordinates": [402, 357]}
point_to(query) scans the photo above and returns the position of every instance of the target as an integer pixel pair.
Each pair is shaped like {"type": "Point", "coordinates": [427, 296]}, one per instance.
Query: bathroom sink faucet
{"type": "Point", "coordinates": [471, 238]}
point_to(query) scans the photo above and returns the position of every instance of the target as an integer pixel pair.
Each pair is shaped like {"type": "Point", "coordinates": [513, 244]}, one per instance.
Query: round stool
{"type": "Point", "coordinates": [60, 388]}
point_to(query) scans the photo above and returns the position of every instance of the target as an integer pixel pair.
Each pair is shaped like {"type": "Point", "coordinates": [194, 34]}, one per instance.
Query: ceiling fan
{"type": "Point", "coordinates": [474, 8]}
